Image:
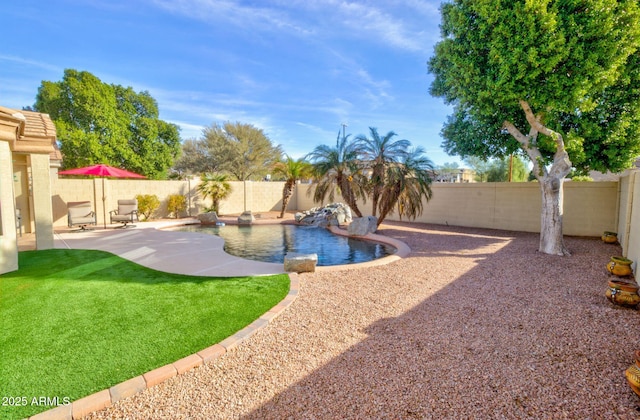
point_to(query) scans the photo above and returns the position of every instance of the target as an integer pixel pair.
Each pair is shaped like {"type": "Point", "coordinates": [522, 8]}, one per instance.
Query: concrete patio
{"type": "Point", "coordinates": [153, 244]}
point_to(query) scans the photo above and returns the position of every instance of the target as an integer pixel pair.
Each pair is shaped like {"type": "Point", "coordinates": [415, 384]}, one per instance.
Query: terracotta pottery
{"type": "Point", "coordinates": [623, 293]}
{"type": "Point", "coordinates": [610, 237]}
{"type": "Point", "coordinates": [633, 377]}
{"type": "Point", "coordinates": [620, 266]}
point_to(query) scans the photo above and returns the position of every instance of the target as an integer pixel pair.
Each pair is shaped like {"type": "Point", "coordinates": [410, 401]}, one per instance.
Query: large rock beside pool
{"type": "Point", "coordinates": [210, 218]}
{"type": "Point", "coordinates": [334, 214]}
{"type": "Point", "coordinates": [361, 226]}
{"type": "Point", "coordinates": [246, 218]}
{"type": "Point", "coordinates": [300, 263]}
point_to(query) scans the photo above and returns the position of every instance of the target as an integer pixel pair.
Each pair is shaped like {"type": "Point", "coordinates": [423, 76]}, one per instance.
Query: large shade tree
{"type": "Point", "coordinates": [241, 150]}
{"type": "Point", "coordinates": [558, 79]}
{"type": "Point", "coordinates": [98, 122]}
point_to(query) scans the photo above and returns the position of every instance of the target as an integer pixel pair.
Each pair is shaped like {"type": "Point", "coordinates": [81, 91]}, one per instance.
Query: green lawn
{"type": "Point", "coordinates": [75, 322]}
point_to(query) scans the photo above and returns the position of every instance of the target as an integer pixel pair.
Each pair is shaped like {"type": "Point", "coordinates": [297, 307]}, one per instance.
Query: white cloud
{"type": "Point", "coordinates": [233, 12]}
{"type": "Point", "coordinates": [396, 24]}
{"type": "Point", "coordinates": [30, 63]}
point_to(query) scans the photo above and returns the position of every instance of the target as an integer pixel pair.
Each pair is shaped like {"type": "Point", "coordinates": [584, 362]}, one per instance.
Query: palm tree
{"type": "Point", "coordinates": [406, 184]}
{"type": "Point", "coordinates": [380, 153]}
{"type": "Point", "coordinates": [336, 169]}
{"type": "Point", "coordinates": [215, 186]}
{"type": "Point", "coordinates": [292, 170]}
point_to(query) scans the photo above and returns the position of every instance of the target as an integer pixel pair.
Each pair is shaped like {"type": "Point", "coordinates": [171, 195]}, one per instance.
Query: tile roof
{"type": "Point", "coordinates": [37, 134]}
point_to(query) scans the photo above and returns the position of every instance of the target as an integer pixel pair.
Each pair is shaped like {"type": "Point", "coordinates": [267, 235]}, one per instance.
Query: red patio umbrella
{"type": "Point", "coordinates": [102, 171]}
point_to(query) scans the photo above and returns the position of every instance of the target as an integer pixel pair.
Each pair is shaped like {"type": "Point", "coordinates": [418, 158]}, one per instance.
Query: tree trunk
{"type": "Point", "coordinates": [551, 239]}
{"type": "Point", "coordinates": [348, 196]}
{"type": "Point", "coordinates": [287, 192]}
{"type": "Point", "coordinates": [551, 179]}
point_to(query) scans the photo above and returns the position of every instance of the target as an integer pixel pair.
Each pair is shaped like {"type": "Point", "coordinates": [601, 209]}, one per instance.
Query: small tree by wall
{"type": "Point", "coordinates": [176, 204]}
{"type": "Point", "coordinates": [147, 204]}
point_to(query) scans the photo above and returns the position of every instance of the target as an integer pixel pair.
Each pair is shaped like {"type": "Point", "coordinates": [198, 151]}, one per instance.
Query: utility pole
{"type": "Point", "coordinates": [511, 167]}
{"type": "Point", "coordinates": [344, 127]}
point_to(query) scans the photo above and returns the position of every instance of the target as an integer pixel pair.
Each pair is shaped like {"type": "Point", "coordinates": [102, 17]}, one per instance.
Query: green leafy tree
{"type": "Point", "coordinates": [291, 170]}
{"type": "Point", "coordinates": [480, 166]}
{"type": "Point", "coordinates": [241, 150]}
{"type": "Point", "coordinates": [101, 123]}
{"type": "Point", "coordinates": [559, 80]}
{"type": "Point", "coordinates": [499, 170]}
{"type": "Point", "coordinates": [215, 186]}
{"type": "Point", "coordinates": [213, 153]}
{"type": "Point", "coordinates": [336, 170]}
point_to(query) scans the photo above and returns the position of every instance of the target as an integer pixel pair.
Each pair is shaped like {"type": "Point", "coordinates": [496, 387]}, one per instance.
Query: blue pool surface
{"type": "Point", "coordinates": [269, 243]}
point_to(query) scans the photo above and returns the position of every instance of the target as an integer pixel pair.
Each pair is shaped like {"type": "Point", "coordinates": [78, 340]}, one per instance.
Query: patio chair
{"type": "Point", "coordinates": [127, 213]}
{"type": "Point", "coordinates": [79, 213]}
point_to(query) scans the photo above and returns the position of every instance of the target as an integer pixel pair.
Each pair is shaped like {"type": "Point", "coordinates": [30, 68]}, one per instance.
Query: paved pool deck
{"type": "Point", "coordinates": [154, 245]}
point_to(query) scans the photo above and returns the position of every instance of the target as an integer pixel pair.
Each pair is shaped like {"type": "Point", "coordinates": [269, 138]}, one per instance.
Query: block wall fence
{"type": "Point", "coordinates": [589, 207]}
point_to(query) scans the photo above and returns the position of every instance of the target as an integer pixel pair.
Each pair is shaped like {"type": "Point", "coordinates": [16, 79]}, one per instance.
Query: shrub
{"type": "Point", "coordinates": [176, 203]}
{"type": "Point", "coordinates": [147, 204]}
{"type": "Point", "coordinates": [582, 178]}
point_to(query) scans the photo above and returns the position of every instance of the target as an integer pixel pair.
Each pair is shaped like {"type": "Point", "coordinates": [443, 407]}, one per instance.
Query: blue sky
{"type": "Point", "coordinates": [296, 69]}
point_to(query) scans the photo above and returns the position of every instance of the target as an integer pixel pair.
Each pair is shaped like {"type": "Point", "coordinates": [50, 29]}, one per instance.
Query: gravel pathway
{"type": "Point", "coordinates": [473, 324]}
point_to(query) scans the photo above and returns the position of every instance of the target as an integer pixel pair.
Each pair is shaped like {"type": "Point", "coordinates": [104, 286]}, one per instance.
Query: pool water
{"type": "Point", "coordinates": [269, 243]}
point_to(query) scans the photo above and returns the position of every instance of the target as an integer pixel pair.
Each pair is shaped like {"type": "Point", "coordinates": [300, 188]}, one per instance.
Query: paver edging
{"type": "Point", "coordinates": [105, 398]}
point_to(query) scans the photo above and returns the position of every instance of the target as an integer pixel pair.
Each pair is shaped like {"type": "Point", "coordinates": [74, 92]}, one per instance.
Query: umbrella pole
{"type": "Point", "coordinates": [95, 199]}
{"type": "Point", "coordinates": [104, 208]}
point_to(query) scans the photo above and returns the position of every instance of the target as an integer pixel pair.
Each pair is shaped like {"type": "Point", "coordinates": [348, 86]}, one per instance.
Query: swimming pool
{"type": "Point", "coordinates": [269, 243]}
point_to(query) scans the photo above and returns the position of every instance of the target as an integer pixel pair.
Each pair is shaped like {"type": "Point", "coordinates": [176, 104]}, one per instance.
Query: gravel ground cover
{"type": "Point", "coordinates": [474, 323]}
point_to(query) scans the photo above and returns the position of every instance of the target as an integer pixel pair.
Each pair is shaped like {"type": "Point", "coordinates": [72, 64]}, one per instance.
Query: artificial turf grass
{"type": "Point", "coordinates": [75, 322]}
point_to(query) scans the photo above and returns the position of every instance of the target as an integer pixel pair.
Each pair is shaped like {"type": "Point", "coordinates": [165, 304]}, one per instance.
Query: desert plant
{"type": "Point", "coordinates": [215, 186]}
{"type": "Point", "coordinates": [176, 203]}
{"type": "Point", "coordinates": [291, 170]}
{"type": "Point", "coordinates": [147, 204]}
{"type": "Point", "coordinates": [336, 171]}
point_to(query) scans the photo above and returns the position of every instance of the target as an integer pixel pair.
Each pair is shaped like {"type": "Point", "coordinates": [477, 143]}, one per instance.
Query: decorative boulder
{"type": "Point", "coordinates": [246, 218]}
{"type": "Point", "coordinates": [210, 218]}
{"type": "Point", "coordinates": [361, 226]}
{"type": "Point", "coordinates": [300, 263]}
{"type": "Point", "coordinates": [333, 214]}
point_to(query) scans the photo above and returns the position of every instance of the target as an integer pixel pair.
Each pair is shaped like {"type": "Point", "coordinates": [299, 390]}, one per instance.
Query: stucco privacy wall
{"type": "Point", "coordinates": [589, 207]}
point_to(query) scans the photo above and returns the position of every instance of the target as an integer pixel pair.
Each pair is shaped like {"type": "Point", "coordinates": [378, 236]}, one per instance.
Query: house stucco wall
{"type": "Point", "coordinates": [8, 233]}
{"type": "Point", "coordinates": [41, 189]}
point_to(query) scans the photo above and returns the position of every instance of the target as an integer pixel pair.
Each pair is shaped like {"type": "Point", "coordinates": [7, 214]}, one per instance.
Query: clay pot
{"type": "Point", "coordinates": [633, 377]}
{"type": "Point", "coordinates": [620, 266]}
{"type": "Point", "coordinates": [623, 293]}
{"type": "Point", "coordinates": [610, 237]}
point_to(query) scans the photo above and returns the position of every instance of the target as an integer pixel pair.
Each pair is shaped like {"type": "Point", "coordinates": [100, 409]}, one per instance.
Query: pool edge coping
{"type": "Point", "coordinates": [402, 249]}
